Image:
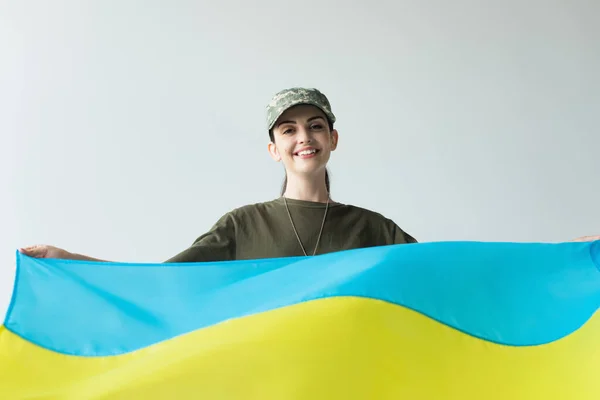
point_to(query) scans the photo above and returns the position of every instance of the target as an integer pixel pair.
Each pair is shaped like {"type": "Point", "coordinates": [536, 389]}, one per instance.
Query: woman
{"type": "Point", "coordinates": [304, 220]}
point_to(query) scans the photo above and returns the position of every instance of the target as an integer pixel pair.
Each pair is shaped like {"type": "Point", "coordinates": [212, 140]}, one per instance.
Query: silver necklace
{"type": "Point", "coordinates": [296, 232]}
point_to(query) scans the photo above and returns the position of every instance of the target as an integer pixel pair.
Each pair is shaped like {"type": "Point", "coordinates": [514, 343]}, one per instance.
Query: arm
{"type": "Point", "coordinates": [401, 237]}
{"type": "Point", "coordinates": [218, 244]}
{"type": "Point", "coordinates": [47, 251]}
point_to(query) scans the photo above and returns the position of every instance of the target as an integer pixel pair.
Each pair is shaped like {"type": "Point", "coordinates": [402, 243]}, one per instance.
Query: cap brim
{"type": "Point", "coordinates": [330, 117]}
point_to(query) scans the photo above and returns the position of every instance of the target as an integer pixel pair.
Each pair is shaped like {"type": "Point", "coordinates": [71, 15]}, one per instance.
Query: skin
{"type": "Point", "coordinates": [298, 128]}
{"type": "Point", "coordinates": [47, 251]}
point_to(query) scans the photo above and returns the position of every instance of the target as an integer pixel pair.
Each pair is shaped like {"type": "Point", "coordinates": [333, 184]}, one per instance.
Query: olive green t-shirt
{"type": "Point", "coordinates": [264, 230]}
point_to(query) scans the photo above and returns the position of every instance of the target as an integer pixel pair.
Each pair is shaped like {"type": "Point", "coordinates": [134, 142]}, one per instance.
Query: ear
{"type": "Point", "coordinates": [274, 152]}
{"type": "Point", "coordinates": [334, 139]}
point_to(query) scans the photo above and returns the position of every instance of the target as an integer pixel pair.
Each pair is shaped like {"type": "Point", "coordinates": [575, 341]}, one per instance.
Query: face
{"type": "Point", "coordinates": [302, 140]}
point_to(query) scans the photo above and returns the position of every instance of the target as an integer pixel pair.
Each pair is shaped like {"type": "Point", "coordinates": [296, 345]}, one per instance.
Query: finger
{"type": "Point", "coordinates": [34, 251]}
{"type": "Point", "coordinates": [587, 238]}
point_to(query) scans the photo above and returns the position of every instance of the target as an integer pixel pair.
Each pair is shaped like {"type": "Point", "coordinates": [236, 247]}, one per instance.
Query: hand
{"type": "Point", "coordinates": [45, 251]}
{"type": "Point", "coordinates": [586, 239]}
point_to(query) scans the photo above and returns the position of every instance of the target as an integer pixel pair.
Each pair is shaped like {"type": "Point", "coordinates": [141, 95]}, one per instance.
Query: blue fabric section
{"type": "Point", "coordinates": [509, 293]}
{"type": "Point", "coordinates": [595, 253]}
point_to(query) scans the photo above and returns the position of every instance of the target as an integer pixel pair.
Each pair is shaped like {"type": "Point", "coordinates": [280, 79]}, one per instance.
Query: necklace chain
{"type": "Point", "coordinates": [296, 232]}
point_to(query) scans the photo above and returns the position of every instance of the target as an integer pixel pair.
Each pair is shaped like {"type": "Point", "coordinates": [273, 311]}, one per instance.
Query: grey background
{"type": "Point", "coordinates": [128, 127]}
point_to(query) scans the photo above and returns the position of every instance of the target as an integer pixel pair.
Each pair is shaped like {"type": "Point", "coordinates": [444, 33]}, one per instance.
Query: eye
{"type": "Point", "coordinates": [316, 126]}
{"type": "Point", "coordinates": [287, 131]}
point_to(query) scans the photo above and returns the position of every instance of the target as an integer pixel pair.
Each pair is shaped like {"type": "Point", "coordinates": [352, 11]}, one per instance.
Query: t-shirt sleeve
{"type": "Point", "coordinates": [218, 244]}
{"type": "Point", "coordinates": [401, 237]}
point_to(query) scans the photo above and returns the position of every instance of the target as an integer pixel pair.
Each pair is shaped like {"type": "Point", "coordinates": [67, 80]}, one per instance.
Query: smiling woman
{"type": "Point", "coordinates": [303, 220]}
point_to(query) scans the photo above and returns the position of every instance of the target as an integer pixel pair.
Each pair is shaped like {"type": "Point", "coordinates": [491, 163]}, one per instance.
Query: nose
{"type": "Point", "coordinates": [303, 135]}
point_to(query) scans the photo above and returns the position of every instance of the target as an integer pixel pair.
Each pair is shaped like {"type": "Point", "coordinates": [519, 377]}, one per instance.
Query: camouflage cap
{"type": "Point", "coordinates": [294, 96]}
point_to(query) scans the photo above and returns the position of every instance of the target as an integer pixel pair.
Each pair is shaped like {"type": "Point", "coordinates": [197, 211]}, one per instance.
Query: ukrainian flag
{"type": "Point", "coordinates": [455, 320]}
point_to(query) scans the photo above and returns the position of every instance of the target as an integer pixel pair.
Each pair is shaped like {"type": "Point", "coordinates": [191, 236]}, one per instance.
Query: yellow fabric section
{"type": "Point", "coordinates": [334, 348]}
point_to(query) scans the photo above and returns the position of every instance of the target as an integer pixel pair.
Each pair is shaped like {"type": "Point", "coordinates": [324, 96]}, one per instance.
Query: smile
{"type": "Point", "coordinates": [306, 153]}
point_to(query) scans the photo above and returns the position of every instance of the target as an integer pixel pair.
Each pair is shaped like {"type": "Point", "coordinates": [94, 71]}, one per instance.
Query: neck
{"type": "Point", "coordinates": [307, 189]}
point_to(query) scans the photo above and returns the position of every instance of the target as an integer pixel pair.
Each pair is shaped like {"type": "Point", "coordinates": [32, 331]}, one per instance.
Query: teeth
{"type": "Point", "coordinates": [306, 152]}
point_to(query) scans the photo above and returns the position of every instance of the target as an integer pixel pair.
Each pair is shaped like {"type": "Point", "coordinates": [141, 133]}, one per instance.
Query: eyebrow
{"type": "Point", "coordinates": [293, 122]}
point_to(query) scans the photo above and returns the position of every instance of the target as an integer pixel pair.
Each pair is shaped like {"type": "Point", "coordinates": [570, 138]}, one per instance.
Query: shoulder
{"type": "Point", "coordinates": [254, 207]}
{"type": "Point", "coordinates": [367, 213]}
{"type": "Point", "coordinates": [250, 210]}
{"type": "Point", "coordinates": [381, 221]}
